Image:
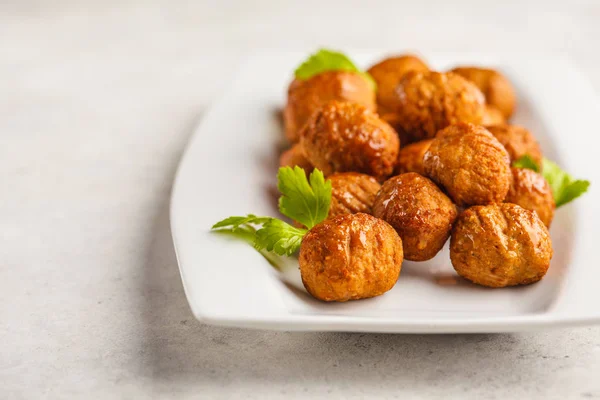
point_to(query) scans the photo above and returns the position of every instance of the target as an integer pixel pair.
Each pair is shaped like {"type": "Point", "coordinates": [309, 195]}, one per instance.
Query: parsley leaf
{"type": "Point", "coordinates": [279, 237]}
{"type": "Point", "coordinates": [564, 187]}
{"type": "Point", "coordinates": [527, 162]}
{"type": "Point", "coordinates": [307, 203]}
{"type": "Point", "coordinates": [329, 60]}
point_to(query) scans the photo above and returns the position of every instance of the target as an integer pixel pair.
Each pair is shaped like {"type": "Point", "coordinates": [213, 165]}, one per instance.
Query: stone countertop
{"type": "Point", "coordinates": [98, 101]}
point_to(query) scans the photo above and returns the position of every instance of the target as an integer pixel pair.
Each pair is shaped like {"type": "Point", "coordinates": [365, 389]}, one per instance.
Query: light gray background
{"type": "Point", "coordinates": [97, 102]}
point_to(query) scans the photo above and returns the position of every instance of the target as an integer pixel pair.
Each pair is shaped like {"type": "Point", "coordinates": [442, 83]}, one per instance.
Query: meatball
{"type": "Point", "coordinates": [496, 88]}
{"type": "Point", "coordinates": [387, 74]}
{"type": "Point", "coordinates": [352, 193]}
{"type": "Point", "coordinates": [295, 157]}
{"type": "Point", "coordinates": [492, 116]}
{"type": "Point", "coordinates": [429, 101]}
{"type": "Point", "coordinates": [530, 190]}
{"type": "Point", "coordinates": [500, 245]}
{"type": "Point", "coordinates": [410, 158]}
{"type": "Point", "coordinates": [518, 141]}
{"type": "Point", "coordinates": [350, 257]}
{"type": "Point", "coordinates": [470, 164]}
{"type": "Point", "coordinates": [419, 211]}
{"type": "Point", "coordinates": [347, 137]}
{"type": "Point", "coordinates": [305, 97]}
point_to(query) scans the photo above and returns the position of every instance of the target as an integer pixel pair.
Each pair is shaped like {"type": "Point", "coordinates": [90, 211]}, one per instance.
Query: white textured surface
{"type": "Point", "coordinates": [97, 102]}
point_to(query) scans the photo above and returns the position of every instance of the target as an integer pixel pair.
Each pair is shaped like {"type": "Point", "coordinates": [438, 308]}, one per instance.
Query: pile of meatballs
{"type": "Point", "coordinates": [425, 157]}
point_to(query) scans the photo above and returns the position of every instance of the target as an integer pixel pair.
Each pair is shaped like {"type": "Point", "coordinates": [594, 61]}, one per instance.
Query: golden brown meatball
{"type": "Point", "coordinates": [293, 157]}
{"type": "Point", "coordinates": [492, 116]}
{"type": "Point", "coordinates": [305, 97]}
{"type": "Point", "coordinates": [470, 164]}
{"type": "Point", "coordinates": [419, 211]}
{"type": "Point", "coordinates": [530, 190]}
{"type": "Point", "coordinates": [387, 75]}
{"type": "Point", "coordinates": [352, 193]}
{"type": "Point", "coordinates": [500, 245]}
{"type": "Point", "coordinates": [496, 88]}
{"type": "Point", "coordinates": [410, 158]}
{"type": "Point", "coordinates": [350, 257]}
{"type": "Point", "coordinates": [518, 141]}
{"type": "Point", "coordinates": [429, 101]}
{"type": "Point", "coordinates": [347, 137]}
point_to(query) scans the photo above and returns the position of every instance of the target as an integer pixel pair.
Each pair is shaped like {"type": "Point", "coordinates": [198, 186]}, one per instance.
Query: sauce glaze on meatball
{"type": "Point", "coordinates": [500, 245]}
{"type": "Point", "coordinates": [305, 97]}
{"type": "Point", "coordinates": [352, 193]}
{"type": "Point", "coordinates": [531, 191]}
{"type": "Point", "coordinates": [350, 257]}
{"type": "Point", "coordinates": [347, 137]}
{"type": "Point", "coordinates": [429, 101]}
{"type": "Point", "coordinates": [471, 165]}
{"type": "Point", "coordinates": [419, 211]}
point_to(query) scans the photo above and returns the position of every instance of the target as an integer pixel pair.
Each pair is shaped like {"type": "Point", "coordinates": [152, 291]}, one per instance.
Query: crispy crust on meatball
{"type": "Point", "coordinates": [429, 101]}
{"type": "Point", "coordinates": [293, 157]}
{"type": "Point", "coordinates": [419, 211]}
{"type": "Point", "coordinates": [492, 116]}
{"type": "Point", "coordinates": [387, 74]}
{"type": "Point", "coordinates": [518, 141]}
{"type": "Point", "coordinates": [305, 97]}
{"type": "Point", "coordinates": [410, 158]}
{"type": "Point", "coordinates": [352, 193]}
{"type": "Point", "coordinates": [496, 88]}
{"type": "Point", "coordinates": [500, 245]}
{"type": "Point", "coordinates": [350, 257]}
{"type": "Point", "coordinates": [470, 164]}
{"type": "Point", "coordinates": [347, 137]}
{"type": "Point", "coordinates": [530, 190]}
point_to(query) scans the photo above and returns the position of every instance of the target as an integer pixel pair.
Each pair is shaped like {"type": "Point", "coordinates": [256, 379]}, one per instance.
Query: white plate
{"type": "Point", "coordinates": [230, 166]}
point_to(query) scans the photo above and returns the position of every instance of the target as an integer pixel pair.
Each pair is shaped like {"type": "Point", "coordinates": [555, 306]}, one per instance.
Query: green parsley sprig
{"type": "Point", "coordinates": [564, 187]}
{"type": "Point", "coordinates": [329, 60]}
{"type": "Point", "coordinates": [303, 200]}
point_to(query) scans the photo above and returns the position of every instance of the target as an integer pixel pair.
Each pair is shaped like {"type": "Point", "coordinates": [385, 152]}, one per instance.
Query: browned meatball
{"type": "Point", "coordinates": [518, 141]}
{"type": "Point", "coordinates": [387, 74]}
{"type": "Point", "coordinates": [410, 158]}
{"type": "Point", "coordinates": [470, 164]}
{"type": "Point", "coordinates": [500, 245]}
{"type": "Point", "coordinates": [347, 137]}
{"type": "Point", "coordinates": [492, 116]}
{"type": "Point", "coordinates": [293, 157]}
{"type": "Point", "coordinates": [419, 211]}
{"type": "Point", "coordinates": [429, 101]}
{"type": "Point", "coordinates": [530, 190]}
{"type": "Point", "coordinates": [350, 257]}
{"type": "Point", "coordinates": [496, 88]}
{"type": "Point", "coordinates": [352, 193]}
{"type": "Point", "coordinates": [305, 97]}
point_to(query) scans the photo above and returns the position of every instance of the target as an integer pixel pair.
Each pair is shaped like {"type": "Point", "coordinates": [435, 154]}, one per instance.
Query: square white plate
{"type": "Point", "coordinates": [230, 169]}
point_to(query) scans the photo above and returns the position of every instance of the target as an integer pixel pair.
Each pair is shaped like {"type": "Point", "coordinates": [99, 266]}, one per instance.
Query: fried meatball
{"type": "Point", "coordinates": [492, 116]}
{"type": "Point", "coordinates": [530, 190]}
{"type": "Point", "coordinates": [352, 193]}
{"type": "Point", "coordinates": [305, 97]}
{"type": "Point", "coordinates": [500, 245]}
{"type": "Point", "coordinates": [350, 257]}
{"type": "Point", "coordinates": [387, 75]}
{"type": "Point", "coordinates": [419, 211]}
{"type": "Point", "coordinates": [410, 158]}
{"type": "Point", "coordinates": [496, 88]}
{"type": "Point", "coordinates": [429, 101]}
{"type": "Point", "coordinates": [347, 137]}
{"type": "Point", "coordinates": [470, 164]}
{"type": "Point", "coordinates": [293, 157]}
{"type": "Point", "coordinates": [518, 141]}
